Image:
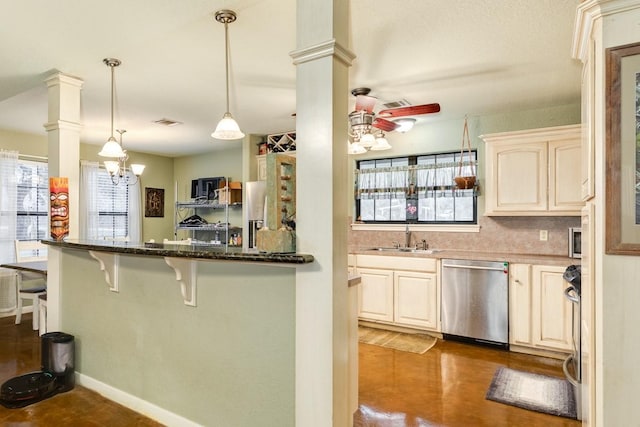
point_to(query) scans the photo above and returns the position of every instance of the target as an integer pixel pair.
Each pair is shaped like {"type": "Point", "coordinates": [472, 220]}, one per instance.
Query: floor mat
{"type": "Point", "coordinates": [536, 392]}
{"type": "Point", "coordinates": [414, 343]}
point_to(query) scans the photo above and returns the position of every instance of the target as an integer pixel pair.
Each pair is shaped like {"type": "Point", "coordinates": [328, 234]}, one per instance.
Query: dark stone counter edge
{"type": "Point", "coordinates": [203, 252]}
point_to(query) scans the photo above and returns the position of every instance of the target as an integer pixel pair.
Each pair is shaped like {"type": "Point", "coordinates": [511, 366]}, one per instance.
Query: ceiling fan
{"type": "Point", "coordinates": [366, 127]}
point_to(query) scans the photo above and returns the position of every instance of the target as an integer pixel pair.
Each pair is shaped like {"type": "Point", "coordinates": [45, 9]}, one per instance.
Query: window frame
{"type": "Point", "coordinates": [412, 160]}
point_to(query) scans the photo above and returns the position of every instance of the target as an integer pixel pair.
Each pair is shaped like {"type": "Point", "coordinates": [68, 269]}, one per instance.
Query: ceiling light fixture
{"type": "Point", "coordinates": [227, 128]}
{"type": "Point", "coordinates": [118, 170]}
{"type": "Point", "coordinates": [405, 124]}
{"type": "Point", "coordinates": [111, 148]}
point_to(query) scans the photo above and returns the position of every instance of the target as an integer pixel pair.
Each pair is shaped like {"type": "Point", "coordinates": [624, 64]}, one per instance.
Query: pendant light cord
{"type": "Point", "coordinates": [226, 60]}
{"type": "Point", "coordinates": [112, 97]}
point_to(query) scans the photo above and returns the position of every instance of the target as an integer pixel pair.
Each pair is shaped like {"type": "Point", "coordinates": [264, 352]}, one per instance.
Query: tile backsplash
{"type": "Point", "coordinates": [519, 235]}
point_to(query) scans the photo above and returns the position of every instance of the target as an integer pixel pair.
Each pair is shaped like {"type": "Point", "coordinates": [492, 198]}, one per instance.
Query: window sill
{"type": "Point", "coordinates": [447, 228]}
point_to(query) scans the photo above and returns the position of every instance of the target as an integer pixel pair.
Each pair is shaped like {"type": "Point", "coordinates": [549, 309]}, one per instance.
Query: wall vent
{"type": "Point", "coordinates": [396, 104]}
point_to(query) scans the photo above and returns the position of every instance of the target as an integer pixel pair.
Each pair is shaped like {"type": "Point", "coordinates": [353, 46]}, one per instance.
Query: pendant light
{"type": "Point", "coordinates": [227, 128]}
{"type": "Point", "coordinates": [111, 148]}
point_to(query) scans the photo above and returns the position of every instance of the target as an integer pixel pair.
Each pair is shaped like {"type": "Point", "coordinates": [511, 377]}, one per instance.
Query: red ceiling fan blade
{"type": "Point", "coordinates": [412, 110]}
{"type": "Point", "coordinates": [366, 103]}
{"type": "Point", "coordinates": [385, 125]}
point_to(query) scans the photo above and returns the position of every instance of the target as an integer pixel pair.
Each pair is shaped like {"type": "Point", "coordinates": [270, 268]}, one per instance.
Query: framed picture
{"type": "Point", "coordinates": [153, 202]}
{"type": "Point", "coordinates": [622, 150]}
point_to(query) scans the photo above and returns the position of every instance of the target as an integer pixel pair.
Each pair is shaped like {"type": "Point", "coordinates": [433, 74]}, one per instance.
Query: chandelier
{"type": "Point", "coordinates": [117, 169]}
{"type": "Point", "coordinates": [363, 136]}
{"type": "Point", "coordinates": [227, 128]}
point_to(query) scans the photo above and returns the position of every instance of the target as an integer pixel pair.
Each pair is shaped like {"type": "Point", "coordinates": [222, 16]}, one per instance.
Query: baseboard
{"type": "Point", "coordinates": [12, 312]}
{"type": "Point", "coordinates": [134, 403]}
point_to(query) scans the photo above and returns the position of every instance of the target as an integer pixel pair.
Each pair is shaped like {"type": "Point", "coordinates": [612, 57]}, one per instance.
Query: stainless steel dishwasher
{"type": "Point", "coordinates": [475, 300]}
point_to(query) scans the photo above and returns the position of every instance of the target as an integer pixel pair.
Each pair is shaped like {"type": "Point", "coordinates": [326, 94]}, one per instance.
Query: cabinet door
{"type": "Point", "coordinates": [520, 304]}
{"type": "Point", "coordinates": [416, 299]}
{"type": "Point", "coordinates": [375, 294]}
{"type": "Point", "coordinates": [262, 167]}
{"type": "Point", "coordinates": [565, 176]}
{"type": "Point", "coordinates": [552, 318]}
{"type": "Point", "coordinates": [516, 177]}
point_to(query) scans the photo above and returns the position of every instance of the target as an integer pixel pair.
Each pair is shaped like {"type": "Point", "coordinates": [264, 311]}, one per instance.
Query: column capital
{"type": "Point", "coordinates": [327, 48]}
{"type": "Point", "coordinates": [62, 124]}
{"type": "Point", "coordinates": [58, 78]}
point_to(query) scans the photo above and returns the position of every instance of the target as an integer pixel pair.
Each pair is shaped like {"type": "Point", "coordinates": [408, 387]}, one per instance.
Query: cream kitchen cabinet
{"type": "Point", "coordinates": [400, 291]}
{"type": "Point", "coordinates": [540, 315]}
{"type": "Point", "coordinates": [261, 164]}
{"type": "Point", "coordinates": [534, 172]}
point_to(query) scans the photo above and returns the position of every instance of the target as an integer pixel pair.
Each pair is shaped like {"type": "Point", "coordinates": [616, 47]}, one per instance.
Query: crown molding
{"type": "Point", "coordinates": [322, 50]}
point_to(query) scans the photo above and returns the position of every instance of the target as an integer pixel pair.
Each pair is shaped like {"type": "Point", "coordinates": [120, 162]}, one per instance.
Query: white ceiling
{"type": "Point", "coordinates": [473, 57]}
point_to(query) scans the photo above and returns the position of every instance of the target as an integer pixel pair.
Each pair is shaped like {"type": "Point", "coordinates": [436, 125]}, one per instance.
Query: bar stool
{"type": "Point", "coordinates": [42, 314]}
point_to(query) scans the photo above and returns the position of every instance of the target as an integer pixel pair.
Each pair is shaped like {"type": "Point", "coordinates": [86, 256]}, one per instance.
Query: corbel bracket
{"type": "Point", "coordinates": [186, 273]}
{"type": "Point", "coordinates": [109, 264]}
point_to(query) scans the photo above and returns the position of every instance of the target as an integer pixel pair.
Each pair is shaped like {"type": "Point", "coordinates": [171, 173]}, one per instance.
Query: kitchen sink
{"type": "Point", "coordinates": [404, 249]}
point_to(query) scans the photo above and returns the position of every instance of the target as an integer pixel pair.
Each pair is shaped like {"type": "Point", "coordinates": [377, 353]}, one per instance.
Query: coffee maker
{"type": "Point", "coordinates": [57, 374]}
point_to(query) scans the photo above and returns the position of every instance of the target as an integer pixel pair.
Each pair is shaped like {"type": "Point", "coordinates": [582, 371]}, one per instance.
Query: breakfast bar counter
{"type": "Point", "coordinates": [196, 251]}
{"type": "Point", "coordinates": [179, 332]}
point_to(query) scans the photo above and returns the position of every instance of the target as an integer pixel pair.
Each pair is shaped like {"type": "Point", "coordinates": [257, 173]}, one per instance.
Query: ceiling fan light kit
{"type": "Point", "coordinates": [404, 125]}
{"type": "Point", "coordinates": [227, 128]}
{"type": "Point", "coordinates": [367, 128]}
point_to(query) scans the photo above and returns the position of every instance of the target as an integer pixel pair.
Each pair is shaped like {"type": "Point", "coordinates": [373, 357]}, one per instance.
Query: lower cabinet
{"type": "Point", "coordinates": [540, 315]}
{"type": "Point", "coordinates": [401, 291]}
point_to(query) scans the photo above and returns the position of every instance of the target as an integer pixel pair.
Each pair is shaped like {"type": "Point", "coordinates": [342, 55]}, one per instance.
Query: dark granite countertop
{"type": "Point", "coordinates": [554, 260]}
{"type": "Point", "coordinates": [196, 251]}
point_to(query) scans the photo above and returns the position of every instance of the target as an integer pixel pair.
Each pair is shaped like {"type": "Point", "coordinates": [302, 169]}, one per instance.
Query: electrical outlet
{"type": "Point", "coordinates": [544, 235]}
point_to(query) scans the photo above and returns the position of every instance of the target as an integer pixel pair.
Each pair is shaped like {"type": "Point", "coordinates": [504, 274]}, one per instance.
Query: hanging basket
{"type": "Point", "coordinates": [465, 182]}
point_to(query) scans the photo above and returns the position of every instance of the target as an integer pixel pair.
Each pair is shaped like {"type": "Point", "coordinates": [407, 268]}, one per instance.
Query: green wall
{"type": "Point", "coordinates": [227, 163]}
{"type": "Point", "coordinates": [157, 174]}
{"type": "Point", "coordinates": [230, 361]}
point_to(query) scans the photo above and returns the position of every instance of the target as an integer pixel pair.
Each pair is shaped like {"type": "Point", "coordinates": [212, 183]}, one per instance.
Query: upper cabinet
{"type": "Point", "coordinates": [534, 172]}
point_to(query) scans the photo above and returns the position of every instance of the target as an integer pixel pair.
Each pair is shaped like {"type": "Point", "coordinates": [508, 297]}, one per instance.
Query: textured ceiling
{"type": "Point", "coordinates": [473, 57]}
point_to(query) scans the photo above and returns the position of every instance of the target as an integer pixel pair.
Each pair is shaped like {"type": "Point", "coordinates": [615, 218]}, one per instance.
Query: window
{"type": "Point", "coordinates": [113, 207]}
{"type": "Point", "coordinates": [32, 200]}
{"type": "Point", "coordinates": [415, 189]}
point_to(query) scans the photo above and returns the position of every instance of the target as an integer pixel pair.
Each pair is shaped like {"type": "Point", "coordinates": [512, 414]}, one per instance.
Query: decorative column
{"type": "Point", "coordinates": [63, 132]}
{"type": "Point", "coordinates": [322, 59]}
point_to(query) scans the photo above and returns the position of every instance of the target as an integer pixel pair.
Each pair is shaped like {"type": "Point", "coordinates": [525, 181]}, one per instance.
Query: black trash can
{"type": "Point", "coordinates": [58, 358]}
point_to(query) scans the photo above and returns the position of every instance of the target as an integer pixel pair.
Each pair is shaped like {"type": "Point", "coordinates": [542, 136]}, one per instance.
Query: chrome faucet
{"type": "Point", "coordinates": [407, 234]}
{"type": "Point", "coordinates": [425, 246]}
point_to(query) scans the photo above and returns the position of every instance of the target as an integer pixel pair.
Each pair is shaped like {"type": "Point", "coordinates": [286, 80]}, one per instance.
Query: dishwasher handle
{"type": "Point", "coordinates": [474, 267]}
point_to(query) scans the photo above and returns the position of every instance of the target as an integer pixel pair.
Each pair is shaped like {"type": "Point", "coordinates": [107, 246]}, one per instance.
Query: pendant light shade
{"type": "Point", "coordinates": [227, 128]}
{"type": "Point", "coordinates": [111, 149]}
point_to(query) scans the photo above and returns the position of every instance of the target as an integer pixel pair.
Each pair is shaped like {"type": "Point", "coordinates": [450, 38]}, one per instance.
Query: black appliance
{"type": "Point", "coordinates": [572, 366]}
{"type": "Point", "coordinates": [205, 188]}
{"type": "Point", "coordinates": [57, 375]}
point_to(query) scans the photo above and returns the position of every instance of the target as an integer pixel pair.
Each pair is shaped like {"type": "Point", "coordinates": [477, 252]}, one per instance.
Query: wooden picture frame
{"type": "Point", "coordinates": [153, 202]}
{"type": "Point", "coordinates": [622, 152]}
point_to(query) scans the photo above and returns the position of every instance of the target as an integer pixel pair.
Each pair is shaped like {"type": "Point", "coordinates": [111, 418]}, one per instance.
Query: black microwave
{"type": "Point", "coordinates": [575, 242]}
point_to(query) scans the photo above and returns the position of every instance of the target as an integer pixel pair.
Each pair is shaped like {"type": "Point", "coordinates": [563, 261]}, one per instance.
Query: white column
{"type": "Point", "coordinates": [322, 59]}
{"type": "Point", "coordinates": [63, 132]}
